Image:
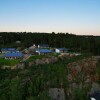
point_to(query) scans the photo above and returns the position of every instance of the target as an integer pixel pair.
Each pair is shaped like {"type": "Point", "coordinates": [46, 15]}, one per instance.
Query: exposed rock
{"type": "Point", "coordinates": [73, 86]}
{"type": "Point", "coordinates": [57, 94]}
{"type": "Point", "coordinates": [69, 77]}
{"type": "Point", "coordinates": [79, 68]}
{"type": "Point", "coordinates": [83, 75]}
{"type": "Point", "coordinates": [87, 80]}
{"type": "Point", "coordinates": [9, 67]}
{"type": "Point", "coordinates": [20, 66]}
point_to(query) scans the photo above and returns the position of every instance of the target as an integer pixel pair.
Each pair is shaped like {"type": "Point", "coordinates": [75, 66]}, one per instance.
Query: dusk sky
{"type": "Point", "coordinates": [72, 16]}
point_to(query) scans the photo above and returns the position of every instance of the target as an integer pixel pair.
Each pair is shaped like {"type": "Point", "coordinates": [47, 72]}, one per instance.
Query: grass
{"type": "Point", "coordinates": [36, 57]}
{"type": "Point", "coordinates": [8, 62]}
{"type": "Point", "coordinates": [55, 55]}
{"type": "Point", "coordinates": [41, 56]}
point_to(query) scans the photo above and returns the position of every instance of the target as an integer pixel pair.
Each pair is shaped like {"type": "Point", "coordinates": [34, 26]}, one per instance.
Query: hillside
{"type": "Point", "coordinates": [74, 77]}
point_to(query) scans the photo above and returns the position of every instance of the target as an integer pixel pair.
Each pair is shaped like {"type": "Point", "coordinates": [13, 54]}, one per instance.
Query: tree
{"type": "Point", "coordinates": [16, 89]}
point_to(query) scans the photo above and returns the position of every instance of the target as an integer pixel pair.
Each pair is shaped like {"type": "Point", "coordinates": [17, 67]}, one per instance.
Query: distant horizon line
{"type": "Point", "coordinates": [46, 32]}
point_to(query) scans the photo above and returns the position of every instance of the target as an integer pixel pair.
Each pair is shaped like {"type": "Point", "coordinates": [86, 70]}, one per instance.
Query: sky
{"type": "Point", "coordinates": [81, 17]}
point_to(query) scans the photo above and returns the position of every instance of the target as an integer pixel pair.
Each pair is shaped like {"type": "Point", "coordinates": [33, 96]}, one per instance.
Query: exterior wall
{"type": "Point", "coordinates": [57, 51]}
{"type": "Point", "coordinates": [7, 51]}
{"type": "Point", "coordinates": [42, 46]}
{"type": "Point", "coordinates": [60, 51]}
{"type": "Point", "coordinates": [43, 53]}
{"type": "Point", "coordinates": [38, 46]}
{"type": "Point", "coordinates": [12, 57]}
{"type": "Point", "coordinates": [64, 51]}
{"type": "Point", "coordinates": [4, 51]}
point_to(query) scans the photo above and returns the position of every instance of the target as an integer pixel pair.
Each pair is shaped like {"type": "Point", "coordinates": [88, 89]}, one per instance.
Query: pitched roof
{"type": "Point", "coordinates": [65, 49]}
{"type": "Point", "coordinates": [43, 45]}
{"type": "Point", "coordinates": [44, 50]}
{"type": "Point", "coordinates": [14, 54]}
{"type": "Point", "coordinates": [11, 49]}
{"type": "Point", "coordinates": [3, 49]}
{"type": "Point", "coordinates": [8, 49]}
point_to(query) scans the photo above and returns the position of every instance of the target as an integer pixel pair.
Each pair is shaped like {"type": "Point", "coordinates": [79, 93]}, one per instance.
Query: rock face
{"type": "Point", "coordinates": [20, 66]}
{"type": "Point", "coordinates": [51, 59]}
{"type": "Point", "coordinates": [46, 60]}
{"type": "Point", "coordinates": [57, 94]}
{"type": "Point", "coordinates": [83, 75]}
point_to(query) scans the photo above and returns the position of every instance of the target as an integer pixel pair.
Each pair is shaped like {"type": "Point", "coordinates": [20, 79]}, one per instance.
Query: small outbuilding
{"type": "Point", "coordinates": [61, 50]}
{"type": "Point", "coordinates": [43, 51]}
{"type": "Point", "coordinates": [13, 55]}
{"type": "Point", "coordinates": [18, 42]}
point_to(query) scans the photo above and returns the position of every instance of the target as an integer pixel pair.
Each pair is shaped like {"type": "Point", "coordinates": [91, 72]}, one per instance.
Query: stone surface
{"type": "Point", "coordinates": [57, 94]}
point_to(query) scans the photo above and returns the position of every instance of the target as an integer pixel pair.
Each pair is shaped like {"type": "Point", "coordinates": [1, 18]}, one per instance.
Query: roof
{"type": "Point", "coordinates": [44, 50]}
{"type": "Point", "coordinates": [43, 45]}
{"type": "Point", "coordinates": [3, 49]}
{"type": "Point", "coordinates": [61, 49]}
{"type": "Point", "coordinates": [14, 54]}
{"type": "Point", "coordinates": [11, 49]}
{"type": "Point", "coordinates": [8, 49]}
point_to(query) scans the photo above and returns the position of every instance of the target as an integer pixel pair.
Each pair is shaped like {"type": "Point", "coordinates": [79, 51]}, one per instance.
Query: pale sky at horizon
{"type": "Point", "coordinates": [80, 17]}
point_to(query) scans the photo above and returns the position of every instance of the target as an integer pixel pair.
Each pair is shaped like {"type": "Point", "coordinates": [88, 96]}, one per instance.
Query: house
{"type": "Point", "coordinates": [43, 46]}
{"type": "Point", "coordinates": [18, 42]}
{"type": "Point", "coordinates": [61, 50]}
{"type": "Point", "coordinates": [43, 51]}
{"type": "Point", "coordinates": [95, 96]}
{"type": "Point", "coordinates": [5, 50]}
{"type": "Point", "coordinates": [13, 55]}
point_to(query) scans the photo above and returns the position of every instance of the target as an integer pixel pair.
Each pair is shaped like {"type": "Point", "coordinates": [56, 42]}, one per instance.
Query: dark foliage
{"type": "Point", "coordinates": [33, 83]}
{"type": "Point", "coordinates": [90, 44]}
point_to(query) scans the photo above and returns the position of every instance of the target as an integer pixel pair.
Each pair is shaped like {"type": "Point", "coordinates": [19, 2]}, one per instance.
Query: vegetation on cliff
{"type": "Point", "coordinates": [34, 82]}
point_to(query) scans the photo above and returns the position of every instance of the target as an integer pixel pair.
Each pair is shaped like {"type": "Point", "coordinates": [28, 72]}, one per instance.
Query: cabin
{"type": "Point", "coordinates": [43, 46]}
{"type": "Point", "coordinates": [5, 50]}
{"type": "Point", "coordinates": [61, 50]}
{"type": "Point", "coordinates": [43, 51]}
{"type": "Point", "coordinates": [13, 55]}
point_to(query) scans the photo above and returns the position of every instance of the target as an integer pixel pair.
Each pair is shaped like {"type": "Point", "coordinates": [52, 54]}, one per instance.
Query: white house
{"type": "Point", "coordinates": [61, 50]}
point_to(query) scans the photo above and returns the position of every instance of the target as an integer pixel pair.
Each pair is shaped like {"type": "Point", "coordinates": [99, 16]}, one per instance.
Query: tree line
{"type": "Point", "coordinates": [88, 44]}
